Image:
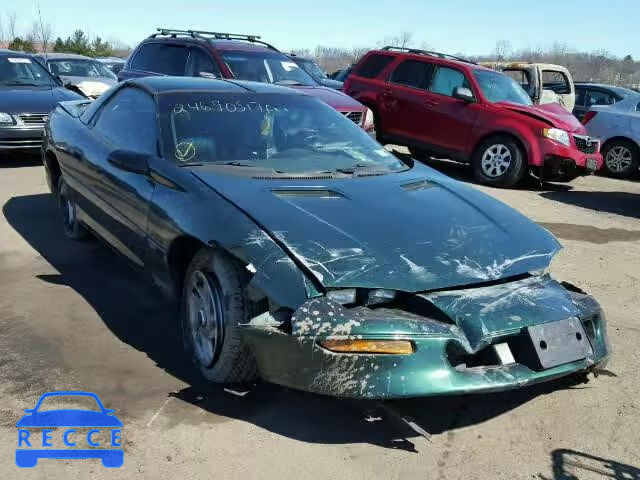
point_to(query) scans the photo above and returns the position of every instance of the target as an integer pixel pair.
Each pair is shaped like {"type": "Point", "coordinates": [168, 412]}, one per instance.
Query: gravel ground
{"type": "Point", "coordinates": [73, 316]}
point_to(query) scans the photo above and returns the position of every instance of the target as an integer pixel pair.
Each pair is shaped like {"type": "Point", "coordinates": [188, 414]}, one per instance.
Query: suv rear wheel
{"type": "Point", "coordinates": [499, 161]}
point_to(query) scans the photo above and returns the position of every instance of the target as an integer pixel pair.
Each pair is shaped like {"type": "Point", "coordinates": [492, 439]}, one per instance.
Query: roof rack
{"type": "Point", "coordinates": [426, 52]}
{"type": "Point", "coordinates": [211, 35]}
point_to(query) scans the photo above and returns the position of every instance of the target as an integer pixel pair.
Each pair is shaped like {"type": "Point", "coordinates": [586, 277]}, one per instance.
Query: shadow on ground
{"type": "Point", "coordinates": [572, 465]}
{"type": "Point", "coordinates": [19, 160]}
{"type": "Point", "coordinates": [621, 203]}
{"type": "Point", "coordinates": [139, 316]}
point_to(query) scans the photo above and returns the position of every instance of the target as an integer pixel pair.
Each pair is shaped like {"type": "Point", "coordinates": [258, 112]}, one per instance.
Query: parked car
{"type": "Point", "coordinates": [543, 82]}
{"type": "Point", "coordinates": [242, 57]}
{"type": "Point", "coordinates": [618, 127]}
{"type": "Point", "coordinates": [316, 72]}
{"type": "Point", "coordinates": [341, 75]}
{"type": "Point", "coordinates": [91, 77]}
{"type": "Point", "coordinates": [115, 64]}
{"type": "Point", "coordinates": [261, 209]}
{"type": "Point", "coordinates": [591, 94]}
{"type": "Point", "coordinates": [437, 104]}
{"type": "Point", "coordinates": [28, 94]}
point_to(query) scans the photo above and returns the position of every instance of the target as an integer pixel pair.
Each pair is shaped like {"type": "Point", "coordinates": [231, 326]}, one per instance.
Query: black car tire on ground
{"type": "Point", "coordinates": [635, 158]}
{"type": "Point", "coordinates": [73, 229]}
{"type": "Point", "coordinates": [419, 154]}
{"type": "Point", "coordinates": [224, 279]}
{"type": "Point", "coordinates": [517, 164]}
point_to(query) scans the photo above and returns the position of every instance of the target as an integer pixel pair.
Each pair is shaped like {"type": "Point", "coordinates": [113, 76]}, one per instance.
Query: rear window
{"type": "Point", "coordinates": [373, 65]}
{"type": "Point", "coordinates": [413, 73]}
{"type": "Point", "coordinates": [161, 58]}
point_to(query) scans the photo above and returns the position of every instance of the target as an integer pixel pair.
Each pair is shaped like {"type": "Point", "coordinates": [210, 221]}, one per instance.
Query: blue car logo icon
{"type": "Point", "coordinates": [28, 453]}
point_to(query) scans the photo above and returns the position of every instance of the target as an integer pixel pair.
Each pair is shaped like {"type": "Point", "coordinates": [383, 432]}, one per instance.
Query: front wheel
{"type": "Point", "coordinates": [214, 303]}
{"type": "Point", "coordinates": [499, 161]}
{"type": "Point", "coordinates": [621, 158]}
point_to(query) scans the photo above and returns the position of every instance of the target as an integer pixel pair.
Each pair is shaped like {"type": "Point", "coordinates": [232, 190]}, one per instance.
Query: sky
{"type": "Point", "coordinates": [454, 26]}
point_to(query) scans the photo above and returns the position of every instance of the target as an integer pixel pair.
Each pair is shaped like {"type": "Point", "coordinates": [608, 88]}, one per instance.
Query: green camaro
{"type": "Point", "coordinates": [306, 254]}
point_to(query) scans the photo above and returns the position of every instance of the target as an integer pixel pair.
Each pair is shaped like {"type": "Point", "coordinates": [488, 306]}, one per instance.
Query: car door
{"type": "Point", "coordinates": [125, 126]}
{"type": "Point", "coordinates": [448, 121]}
{"type": "Point", "coordinates": [406, 99]}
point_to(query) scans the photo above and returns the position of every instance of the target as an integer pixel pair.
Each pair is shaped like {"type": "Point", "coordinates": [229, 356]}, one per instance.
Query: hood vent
{"type": "Point", "coordinates": [306, 193]}
{"type": "Point", "coordinates": [293, 177]}
{"type": "Point", "coordinates": [417, 185]}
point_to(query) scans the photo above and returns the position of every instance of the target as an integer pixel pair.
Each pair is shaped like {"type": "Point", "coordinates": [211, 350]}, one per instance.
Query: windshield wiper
{"type": "Point", "coordinates": [288, 82]}
{"type": "Point", "coordinates": [21, 82]}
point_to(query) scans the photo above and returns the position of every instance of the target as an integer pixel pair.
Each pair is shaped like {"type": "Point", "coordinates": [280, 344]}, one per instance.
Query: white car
{"type": "Point", "coordinates": [618, 128]}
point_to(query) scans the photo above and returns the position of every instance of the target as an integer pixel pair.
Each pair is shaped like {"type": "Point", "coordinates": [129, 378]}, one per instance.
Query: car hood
{"type": "Point", "coordinates": [338, 100]}
{"type": "Point", "coordinates": [329, 83]}
{"type": "Point", "coordinates": [411, 231]}
{"type": "Point", "coordinates": [553, 114]}
{"type": "Point", "coordinates": [69, 418]}
{"type": "Point", "coordinates": [33, 99]}
{"type": "Point", "coordinates": [90, 86]}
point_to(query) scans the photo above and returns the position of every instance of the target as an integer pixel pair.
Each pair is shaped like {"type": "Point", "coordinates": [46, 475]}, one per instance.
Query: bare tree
{"type": "Point", "coordinates": [11, 25]}
{"type": "Point", "coordinates": [402, 40]}
{"type": "Point", "coordinates": [502, 50]}
{"type": "Point", "coordinates": [42, 32]}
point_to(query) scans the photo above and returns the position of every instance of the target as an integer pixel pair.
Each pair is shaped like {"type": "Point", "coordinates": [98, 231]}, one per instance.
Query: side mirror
{"type": "Point", "coordinates": [464, 93]}
{"type": "Point", "coordinates": [130, 161]}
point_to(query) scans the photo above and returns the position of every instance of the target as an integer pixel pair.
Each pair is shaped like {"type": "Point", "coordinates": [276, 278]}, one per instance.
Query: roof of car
{"type": "Point", "coordinates": [429, 56]}
{"type": "Point", "coordinates": [4, 51]}
{"type": "Point", "coordinates": [60, 56]}
{"type": "Point", "coordinates": [163, 84]}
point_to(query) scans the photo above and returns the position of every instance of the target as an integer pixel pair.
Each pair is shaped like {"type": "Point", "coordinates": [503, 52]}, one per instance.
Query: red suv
{"type": "Point", "coordinates": [437, 104]}
{"type": "Point", "coordinates": [197, 53]}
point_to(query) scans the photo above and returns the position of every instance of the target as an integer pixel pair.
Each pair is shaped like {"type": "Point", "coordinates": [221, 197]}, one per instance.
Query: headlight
{"type": "Point", "coordinates": [369, 121]}
{"type": "Point", "coordinates": [343, 297]}
{"type": "Point", "coordinates": [6, 119]}
{"type": "Point", "coordinates": [377, 297]}
{"type": "Point", "coordinates": [556, 135]}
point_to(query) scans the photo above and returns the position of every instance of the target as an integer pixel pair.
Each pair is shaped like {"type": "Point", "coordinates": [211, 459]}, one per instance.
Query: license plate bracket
{"type": "Point", "coordinates": [592, 164]}
{"type": "Point", "coordinates": [560, 342]}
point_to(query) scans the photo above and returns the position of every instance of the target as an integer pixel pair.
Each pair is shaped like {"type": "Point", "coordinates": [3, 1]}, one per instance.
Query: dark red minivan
{"type": "Point", "coordinates": [437, 104]}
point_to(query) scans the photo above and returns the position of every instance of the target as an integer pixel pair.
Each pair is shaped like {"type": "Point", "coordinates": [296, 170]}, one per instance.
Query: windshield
{"type": "Point", "coordinates": [497, 87]}
{"type": "Point", "coordinates": [80, 68]}
{"type": "Point", "coordinates": [23, 71]}
{"type": "Point", "coordinates": [266, 67]}
{"type": "Point", "coordinates": [312, 68]}
{"type": "Point", "coordinates": [274, 132]}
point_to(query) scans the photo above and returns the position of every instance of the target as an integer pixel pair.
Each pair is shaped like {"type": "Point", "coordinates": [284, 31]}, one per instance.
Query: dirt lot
{"type": "Point", "coordinates": [74, 317]}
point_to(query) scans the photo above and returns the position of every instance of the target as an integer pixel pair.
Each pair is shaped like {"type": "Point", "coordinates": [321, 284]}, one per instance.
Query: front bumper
{"type": "Point", "coordinates": [562, 162]}
{"type": "Point", "coordinates": [21, 137]}
{"type": "Point", "coordinates": [298, 361]}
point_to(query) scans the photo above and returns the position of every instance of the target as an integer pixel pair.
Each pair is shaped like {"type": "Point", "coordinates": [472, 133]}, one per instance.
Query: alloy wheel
{"type": "Point", "coordinates": [496, 160]}
{"type": "Point", "coordinates": [619, 159]}
{"type": "Point", "coordinates": [206, 322]}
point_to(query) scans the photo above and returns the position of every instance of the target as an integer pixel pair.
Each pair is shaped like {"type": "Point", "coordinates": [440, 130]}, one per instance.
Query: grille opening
{"type": "Point", "coordinates": [416, 305]}
{"type": "Point", "coordinates": [355, 117]}
{"type": "Point", "coordinates": [590, 329]}
{"type": "Point", "coordinates": [33, 118]}
{"type": "Point", "coordinates": [520, 345]}
{"type": "Point", "coordinates": [586, 144]}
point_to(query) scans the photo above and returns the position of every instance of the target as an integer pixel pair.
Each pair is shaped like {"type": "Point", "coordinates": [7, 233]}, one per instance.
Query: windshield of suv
{"type": "Point", "coordinates": [266, 67]}
{"type": "Point", "coordinates": [16, 70]}
{"type": "Point", "coordinates": [276, 132]}
{"type": "Point", "coordinates": [312, 68]}
{"type": "Point", "coordinates": [498, 87]}
{"type": "Point", "coordinates": [80, 68]}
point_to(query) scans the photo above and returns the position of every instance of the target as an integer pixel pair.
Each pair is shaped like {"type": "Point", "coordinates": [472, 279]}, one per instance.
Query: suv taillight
{"type": "Point", "coordinates": [588, 117]}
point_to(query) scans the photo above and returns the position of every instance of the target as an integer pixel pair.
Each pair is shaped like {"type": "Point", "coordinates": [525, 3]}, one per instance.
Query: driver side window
{"type": "Point", "coordinates": [128, 121]}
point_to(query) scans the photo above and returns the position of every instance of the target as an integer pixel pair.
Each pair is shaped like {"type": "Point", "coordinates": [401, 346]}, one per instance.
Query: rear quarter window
{"type": "Point", "coordinates": [373, 65]}
{"type": "Point", "coordinates": [161, 58]}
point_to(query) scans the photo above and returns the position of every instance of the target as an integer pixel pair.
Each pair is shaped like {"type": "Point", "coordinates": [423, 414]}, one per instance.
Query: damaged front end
{"type": "Point", "coordinates": [478, 339]}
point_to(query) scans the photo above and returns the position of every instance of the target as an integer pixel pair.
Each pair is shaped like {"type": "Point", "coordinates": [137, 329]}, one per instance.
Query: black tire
{"type": "Point", "coordinates": [419, 154]}
{"type": "Point", "coordinates": [68, 209]}
{"type": "Point", "coordinates": [514, 172]}
{"type": "Point", "coordinates": [232, 360]}
{"type": "Point", "coordinates": [609, 163]}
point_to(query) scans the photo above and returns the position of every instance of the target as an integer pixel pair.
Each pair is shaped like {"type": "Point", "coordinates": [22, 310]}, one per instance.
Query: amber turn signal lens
{"type": "Point", "coordinates": [393, 347]}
